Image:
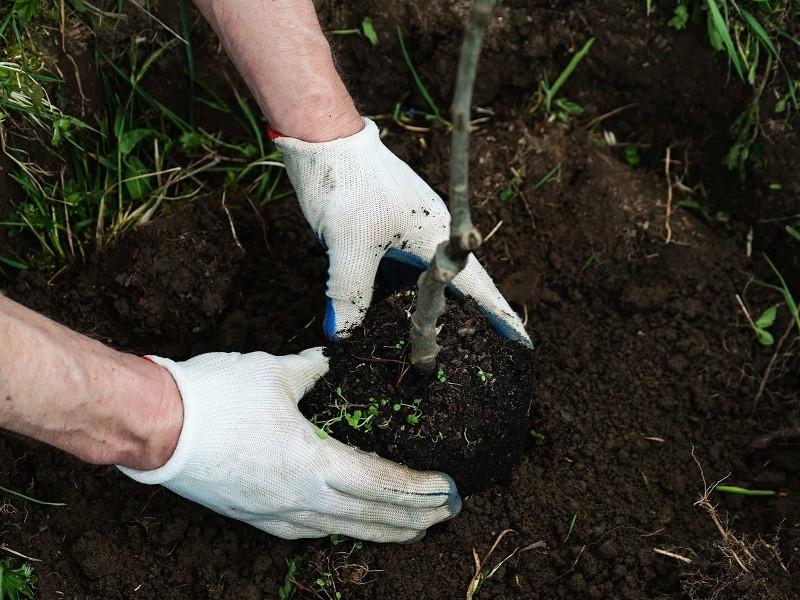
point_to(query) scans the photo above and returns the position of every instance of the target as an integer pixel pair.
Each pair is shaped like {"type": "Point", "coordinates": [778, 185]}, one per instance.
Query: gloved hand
{"type": "Point", "coordinates": [247, 452]}
{"type": "Point", "coordinates": [364, 203]}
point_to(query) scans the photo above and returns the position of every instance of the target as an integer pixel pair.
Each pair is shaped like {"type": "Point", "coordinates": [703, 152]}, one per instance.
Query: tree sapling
{"type": "Point", "coordinates": [451, 255]}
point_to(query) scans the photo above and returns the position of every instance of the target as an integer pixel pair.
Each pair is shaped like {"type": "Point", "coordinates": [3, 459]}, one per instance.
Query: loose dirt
{"type": "Point", "coordinates": [469, 418]}
{"type": "Point", "coordinates": [647, 377]}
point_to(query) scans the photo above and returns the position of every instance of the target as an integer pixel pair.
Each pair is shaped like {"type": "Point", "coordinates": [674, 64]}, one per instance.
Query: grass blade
{"type": "Point", "coordinates": [28, 498]}
{"type": "Point", "coordinates": [565, 74]}
{"type": "Point", "coordinates": [787, 295]}
{"type": "Point", "coordinates": [735, 489]}
{"type": "Point", "coordinates": [759, 31]}
{"type": "Point", "coordinates": [417, 81]}
{"type": "Point", "coordinates": [721, 27]}
{"type": "Point", "coordinates": [14, 263]}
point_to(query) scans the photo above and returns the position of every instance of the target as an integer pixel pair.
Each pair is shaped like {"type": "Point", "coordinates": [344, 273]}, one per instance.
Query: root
{"type": "Point", "coordinates": [737, 568]}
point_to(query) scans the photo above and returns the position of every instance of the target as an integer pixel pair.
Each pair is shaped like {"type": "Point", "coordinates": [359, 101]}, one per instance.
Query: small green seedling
{"type": "Point", "coordinates": [589, 261]}
{"type": "Point", "coordinates": [16, 583]}
{"type": "Point", "coordinates": [327, 586]}
{"type": "Point", "coordinates": [564, 108]}
{"type": "Point", "coordinates": [680, 17]}
{"type": "Point", "coordinates": [571, 526]}
{"type": "Point", "coordinates": [631, 154]}
{"type": "Point", "coordinates": [414, 416]}
{"type": "Point", "coordinates": [366, 30]}
{"type": "Point", "coordinates": [484, 376]}
{"type": "Point", "coordinates": [735, 489]}
{"type": "Point", "coordinates": [400, 344]}
{"type": "Point", "coordinates": [508, 193]}
{"type": "Point", "coordinates": [538, 437]}
{"type": "Point", "coordinates": [441, 376]}
{"type": "Point", "coordinates": [763, 322]}
{"type": "Point", "coordinates": [286, 589]}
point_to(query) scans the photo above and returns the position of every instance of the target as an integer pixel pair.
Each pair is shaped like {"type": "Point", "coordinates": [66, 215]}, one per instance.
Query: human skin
{"type": "Point", "coordinates": [279, 49]}
{"type": "Point", "coordinates": [109, 407]}
{"type": "Point", "coordinates": [74, 393]}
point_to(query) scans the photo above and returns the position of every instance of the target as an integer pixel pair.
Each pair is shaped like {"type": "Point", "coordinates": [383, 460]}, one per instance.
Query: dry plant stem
{"type": "Point", "coordinates": [451, 256]}
{"type": "Point", "coordinates": [668, 209]}
{"type": "Point", "coordinates": [771, 364]}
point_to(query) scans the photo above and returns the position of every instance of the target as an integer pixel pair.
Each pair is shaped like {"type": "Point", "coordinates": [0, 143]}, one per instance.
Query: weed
{"type": "Point", "coordinates": [16, 583]}
{"type": "Point", "coordinates": [484, 376]}
{"type": "Point", "coordinates": [547, 177]}
{"type": "Point", "coordinates": [413, 417]}
{"type": "Point", "coordinates": [719, 216]}
{"type": "Point", "coordinates": [508, 193]}
{"type": "Point", "coordinates": [680, 16]}
{"type": "Point", "coordinates": [483, 572]}
{"type": "Point", "coordinates": [415, 76]}
{"type": "Point", "coordinates": [366, 30]}
{"type": "Point", "coordinates": [357, 419]}
{"type": "Point", "coordinates": [762, 324]}
{"type": "Point", "coordinates": [752, 35]}
{"type": "Point", "coordinates": [589, 261]}
{"type": "Point", "coordinates": [631, 154]}
{"type": "Point", "coordinates": [287, 588]}
{"type": "Point", "coordinates": [554, 106]}
{"type": "Point", "coordinates": [325, 584]}
{"type": "Point", "coordinates": [538, 437]}
{"type": "Point", "coordinates": [735, 489]}
{"type": "Point", "coordinates": [787, 295]}
{"type": "Point", "coordinates": [572, 523]}
{"type": "Point", "coordinates": [135, 157]}
{"type": "Point", "coordinates": [433, 114]}
{"type": "Point", "coordinates": [441, 376]}
{"type": "Point", "coordinates": [11, 492]}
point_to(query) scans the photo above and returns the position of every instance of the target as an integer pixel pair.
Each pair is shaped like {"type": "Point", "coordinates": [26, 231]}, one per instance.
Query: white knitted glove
{"type": "Point", "coordinates": [364, 203]}
{"type": "Point", "coordinates": [247, 452]}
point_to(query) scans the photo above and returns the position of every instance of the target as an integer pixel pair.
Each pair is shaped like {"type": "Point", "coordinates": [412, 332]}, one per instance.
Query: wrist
{"type": "Point", "coordinates": [320, 121]}
{"type": "Point", "coordinates": [152, 418]}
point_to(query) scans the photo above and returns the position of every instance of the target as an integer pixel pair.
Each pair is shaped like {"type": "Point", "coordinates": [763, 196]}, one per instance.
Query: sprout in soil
{"type": "Point", "coordinates": [16, 583]}
{"type": "Point", "coordinates": [451, 255]}
{"type": "Point", "coordinates": [484, 376]}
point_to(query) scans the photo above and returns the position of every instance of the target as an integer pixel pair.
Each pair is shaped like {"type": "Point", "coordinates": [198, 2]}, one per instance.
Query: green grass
{"type": "Point", "coordinates": [573, 521]}
{"type": "Point", "coordinates": [407, 115]}
{"type": "Point", "coordinates": [16, 583]}
{"type": "Point", "coordinates": [734, 489]}
{"type": "Point", "coordinates": [84, 180]}
{"type": "Point", "coordinates": [553, 104]}
{"type": "Point", "coordinates": [785, 292]}
{"type": "Point", "coordinates": [22, 496]}
{"type": "Point", "coordinates": [753, 36]}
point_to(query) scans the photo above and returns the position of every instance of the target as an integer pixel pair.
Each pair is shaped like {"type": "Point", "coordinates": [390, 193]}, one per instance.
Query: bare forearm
{"type": "Point", "coordinates": [282, 54]}
{"type": "Point", "coordinates": [74, 393]}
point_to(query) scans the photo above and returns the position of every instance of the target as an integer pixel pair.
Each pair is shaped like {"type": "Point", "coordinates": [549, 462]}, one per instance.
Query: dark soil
{"type": "Point", "coordinates": [469, 419]}
{"type": "Point", "coordinates": [644, 362]}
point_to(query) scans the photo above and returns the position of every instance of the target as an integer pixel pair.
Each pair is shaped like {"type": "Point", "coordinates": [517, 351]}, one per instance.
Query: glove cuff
{"type": "Point", "coordinates": [180, 456]}
{"type": "Point", "coordinates": [363, 140]}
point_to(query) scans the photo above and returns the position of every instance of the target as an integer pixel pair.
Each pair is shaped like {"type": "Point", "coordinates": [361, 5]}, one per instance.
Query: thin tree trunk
{"type": "Point", "coordinates": [451, 256]}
